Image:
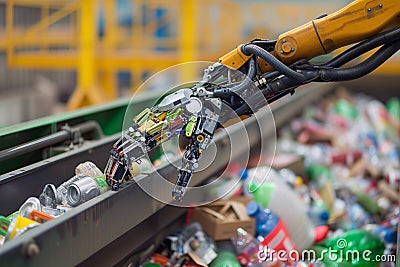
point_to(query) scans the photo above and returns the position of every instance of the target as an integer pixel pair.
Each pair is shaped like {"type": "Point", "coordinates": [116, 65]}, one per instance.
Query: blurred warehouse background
{"type": "Point", "coordinates": [59, 55]}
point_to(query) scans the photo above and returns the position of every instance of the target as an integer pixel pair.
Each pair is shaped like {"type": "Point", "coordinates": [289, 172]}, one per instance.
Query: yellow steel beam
{"type": "Point", "coordinates": [108, 78]}
{"type": "Point", "coordinates": [87, 39]}
{"type": "Point", "coordinates": [188, 38]}
{"type": "Point", "coordinates": [111, 27]}
{"type": "Point", "coordinates": [40, 3]}
{"type": "Point", "coordinates": [9, 30]}
{"type": "Point", "coordinates": [137, 29]}
{"type": "Point", "coordinates": [53, 60]}
{"type": "Point", "coordinates": [87, 91]}
{"type": "Point", "coordinates": [47, 21]}
{"type": "Point", "coordinates": [108, 82]}
{"type": "Point", "coordinates": [115, 60]}
{"type": "Point", "coordinates": [60, 38]}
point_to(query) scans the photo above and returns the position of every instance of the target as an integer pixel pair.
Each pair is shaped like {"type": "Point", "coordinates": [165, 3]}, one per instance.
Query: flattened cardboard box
{"type": "Point", "coordinates": [221, 219]}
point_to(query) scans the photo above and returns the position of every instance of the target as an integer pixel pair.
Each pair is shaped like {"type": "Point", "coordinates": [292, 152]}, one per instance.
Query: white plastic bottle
{"type": "Point", "coordinates": [270, 191]}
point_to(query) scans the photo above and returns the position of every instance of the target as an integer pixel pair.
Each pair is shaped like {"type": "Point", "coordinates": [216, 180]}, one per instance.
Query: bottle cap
{"type": "Point", "coordinates": [243, 260]}
{"type": "Point", "coordinates": [243, 174]}
{"type": "Point", "coordinates": [262, 193]}
{"type": "Point", "coordinates": [388, 235]}
{"type": "Point", "coordinates": [252, 187]}
{"type": "Point", "coordinates": [320, 233]}
{"type": "Point", "coordinates": [298, 181]}
{"type": "Point", "coordinates": [252, 209]}
{"type": "Point", "coordinates": [324, 215]}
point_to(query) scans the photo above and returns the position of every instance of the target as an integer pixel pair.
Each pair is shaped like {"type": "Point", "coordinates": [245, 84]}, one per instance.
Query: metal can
{"type": "Point", "coordinates": [81, 191]}
{"type": "Point", "coordinates": [19, 225]}
{"type": "Point", "coordinates": [30, 204]}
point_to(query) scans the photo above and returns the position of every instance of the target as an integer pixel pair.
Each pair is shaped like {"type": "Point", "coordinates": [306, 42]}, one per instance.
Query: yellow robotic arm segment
{"type": "Point", "coordinates": [234, 59]}
{"type": "Point", "coordinates": [355, 22]}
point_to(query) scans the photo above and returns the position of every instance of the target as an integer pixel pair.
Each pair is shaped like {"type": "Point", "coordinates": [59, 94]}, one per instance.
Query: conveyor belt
{"type": "Point", "coordinates": [112, 226]}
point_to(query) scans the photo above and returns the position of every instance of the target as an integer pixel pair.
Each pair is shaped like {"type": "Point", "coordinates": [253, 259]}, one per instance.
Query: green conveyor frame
{"type": "Point", "coordinates": [109, 118]}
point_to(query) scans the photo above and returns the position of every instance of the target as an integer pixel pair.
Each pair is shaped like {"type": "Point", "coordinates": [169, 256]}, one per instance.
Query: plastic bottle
{"type": "Point", "coordinates": [89, 169]}
{"type": "Point", "coordinates": [275, 195]}
{"type": "Point", "coordinates": [246, 247]}
{"type": "Point", "coordinates": [362, 198]}
{"type": "Point", "coordinates": [317, 212]}
{"type": "Point", "coordinates": [379, 118]}
{"type": "Point", "coordinates": [321, 178]}
{"type": "Point", "coordinates": [357, 215]}
{"type": "Point", "coordinates": [393, 107]}
{"type": "Point", "coordinates": [271, 228]}
{"type": "Point", "coordinates": [141, 166]}
{"type": "Point", "coordinates": [318, 215]}
{"type": "Point", "coordinates": [345, 109]}
{"type": "Point", "coordinates": [297, 183]}
{"type": "Point", "coordinates": [265, 219]}
{"type": "Point", "coordinates": [345, 248]}
{"type": "Point", "coordinates": [387, 234]}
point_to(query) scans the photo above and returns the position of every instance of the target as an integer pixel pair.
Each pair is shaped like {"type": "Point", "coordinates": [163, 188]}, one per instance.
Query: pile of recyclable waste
{"type": "Point", "coordinates": [330, 199]}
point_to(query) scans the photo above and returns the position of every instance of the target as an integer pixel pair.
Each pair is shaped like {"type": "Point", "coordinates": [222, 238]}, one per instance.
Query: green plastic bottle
{"type": "Point", "coordinates": [357, 248]}
{"type": "Point", "coordinates": [273, 193]}
{"type": "Point", "coordinates": [345, 109]}
{"type": "Point", "coordinates": [393, 106]}
{"type": "Point", "coordinates": [225, 258]}
{"type": "Point", "coordinates": [321, 176]}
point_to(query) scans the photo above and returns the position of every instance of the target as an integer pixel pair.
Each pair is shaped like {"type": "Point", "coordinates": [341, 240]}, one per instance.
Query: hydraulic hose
{"type": "Point", "coordinates": [362, 69]}
{"type": "Point", "coordinates": [284, 83]}
{"type": "Point", "coordinates": [363, 47]}
{"type": "Point", "coordinates": [252, 68]}
{"type": "Point", "coordinates": [249, 49]}
{"type": "Point", "coordinates": [229, 92]}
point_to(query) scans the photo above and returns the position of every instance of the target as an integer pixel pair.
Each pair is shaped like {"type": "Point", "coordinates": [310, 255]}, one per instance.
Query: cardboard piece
{"type": "Point", "coordinates": [242, 199]}
{"type": "Point", "coordinates": [196, 259]}
{"type": "Point", "coordinates": [221, 219]}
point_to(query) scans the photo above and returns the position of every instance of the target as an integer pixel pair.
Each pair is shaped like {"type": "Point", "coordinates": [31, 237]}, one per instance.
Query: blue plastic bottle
{"type": "Point", "coordinates": [266, 220]}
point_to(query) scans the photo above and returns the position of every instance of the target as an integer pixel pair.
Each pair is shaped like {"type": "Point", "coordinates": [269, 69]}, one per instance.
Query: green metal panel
{"type": "Point", "coordinates": [109, 117]}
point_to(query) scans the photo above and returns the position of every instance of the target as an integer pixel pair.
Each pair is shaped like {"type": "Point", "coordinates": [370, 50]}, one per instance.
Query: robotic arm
{"type": "Point", "coordinates": [274, 67]}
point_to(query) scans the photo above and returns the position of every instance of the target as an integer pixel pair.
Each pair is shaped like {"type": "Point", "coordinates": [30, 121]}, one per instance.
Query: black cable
{"type": "Point", "coordinates": [252, 68]}
{"type": "Point", "coordinates": [362, 69]}
{"type": "Point", "coordinates": [249, 49]}
{"type": "Point", "coordinates": [229, 92]}
{"type": "Point", "coordinates": [325, 74]}
{"type": "Point", "coordinates": [363, 47]}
